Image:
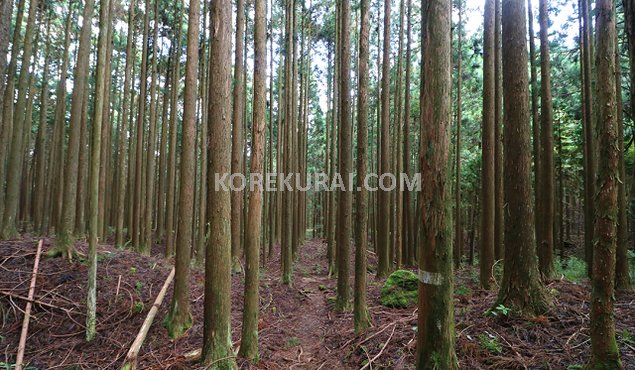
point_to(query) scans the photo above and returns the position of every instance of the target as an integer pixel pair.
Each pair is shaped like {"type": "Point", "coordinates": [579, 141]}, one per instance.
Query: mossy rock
{"type": "Point", "coordinates": [400, 290]}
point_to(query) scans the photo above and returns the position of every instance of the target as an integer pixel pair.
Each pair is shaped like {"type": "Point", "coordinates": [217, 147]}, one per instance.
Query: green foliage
{"type": "Point", "coordinates": [490, 343]}
{"type": "Point", "coordinates": [626, 337]}
{"type": "Point", "coordinates": [462, 290]}
{"type": "Point", "coordinates": [500, 310]}
{"type": "Point", "coordinates": [292, 342]}
{"type": "Point", "coordinates": [138, 307]}
{"type": "Point", "coordinates": [8, 366]}
{"type": "Point", "coordinates": [400, 290]}
{"type": "Point", "coordinates": [138, 286]}
{"type": "Point", "coordinates": [573, 269]}
{"type": "Point", "coordinates": [575, 367]}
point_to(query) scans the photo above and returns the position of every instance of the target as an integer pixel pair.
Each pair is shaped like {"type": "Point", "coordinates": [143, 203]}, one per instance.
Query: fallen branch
{"type": "Point", "coordinates": [27, 312]}
{"type": "Point", "coordinates": [131, 358]}
{"type": "Point", "coordinates": [32, 300]}
{"type": "Point", "coordinates": [369, 363]}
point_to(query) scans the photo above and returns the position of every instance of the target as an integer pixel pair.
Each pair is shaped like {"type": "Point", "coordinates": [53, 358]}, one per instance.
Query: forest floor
{"type": "Point", "coordinates": [298, 325]}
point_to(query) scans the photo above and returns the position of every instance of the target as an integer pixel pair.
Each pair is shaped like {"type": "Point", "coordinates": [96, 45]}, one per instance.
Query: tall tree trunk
{"type": "Point", "coordinates": [345, 197]}
{"type": "Point", "coordinates": [14, 162]}
{"type": "Point", "coordinates": [237, 137]}
{"type": "Point", "coordinates": [435, 338]}
{"type": "Point", "coordinates": [498, 137]}
{"type": "Point", "coordinates": [249, 342]}
{"type": "Point", "coordinates": [148, 237]}
{"type": "Point", "coordinates": [95, 161]}
{"type": "Point", "coordinates": [521, 288]}
{"type": "Point", "coordinates": [547, 183]}
{"type": "Point", "coordinates": [217, 344]}
{"type": "Point", "coordinates": [534, 119]}
{"type": "Point", "coordinates": [139, 193]}
{"type": "Point", "coordinates": [589, 136]}
{"type": "Point", "coordinates": [179, 318]}
{"type": "Point", "coordinates": [360, 308]}
{"type": "Point", "coordinates": [604, 350]}
{"type": "Point", "coordinates": [121, 158]}
{"type": "Point", "coordinates": [458, 227]}
{"type": "Point", "coordinates": [383, 263]}
{"type": "Point", "coordinates": [488, 138]}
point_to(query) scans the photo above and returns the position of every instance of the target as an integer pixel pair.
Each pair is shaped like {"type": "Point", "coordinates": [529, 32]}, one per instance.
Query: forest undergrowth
{"type": "Point", "coordinates": [298, 325]}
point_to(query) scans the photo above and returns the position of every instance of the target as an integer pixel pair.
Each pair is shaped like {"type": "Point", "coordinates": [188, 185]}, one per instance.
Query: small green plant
{"type": "Point", "coordinates": [575, 367]}
{"type": "Point", "coordinates": [462, 290]}
{"type": "Point", "coordinates": [138, 286]}
{"type": "Point", "coordinates": [573, 269]}
{"type": "Point", "coordinates": [133, 270]}
{"type": "Point", "coordinates": [322, 287]}
{"type": "Point", "coordinates": [500, 310]}
{"type": "Point", "coordinates": [317, 269]}
{"type": "Point", "coordinates": [292, 342]}
{"type": "Point", "coordinates": [627, 338]}
{"type": "Point", "coordinates": [138, 307]}
{"type": "Point", "coordinates": [490, 343]}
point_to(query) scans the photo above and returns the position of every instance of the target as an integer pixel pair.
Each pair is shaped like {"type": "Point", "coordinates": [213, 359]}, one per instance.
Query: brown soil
{"type": "Point", "coordinates": [298, 326]}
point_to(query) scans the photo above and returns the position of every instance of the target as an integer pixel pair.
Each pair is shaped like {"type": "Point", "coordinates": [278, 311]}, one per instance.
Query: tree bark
{"type": "Point", "coordinates": [604, 350]}
{"type": "Point", "coordinates": [521, 288]}
{"type": "Point", "coordinates": [435, 338]}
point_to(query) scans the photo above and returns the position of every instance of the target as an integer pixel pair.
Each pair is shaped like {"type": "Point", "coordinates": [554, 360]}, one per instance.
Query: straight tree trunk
{"type": "Point", "coordinates": [249, 342]}
{"type": "Point", "coordinates": [121, 158]}
{"type": "Point", "coordinates": [362, 317]}
{"type": "Point", "coordinates": [458, 227]}
{"type": "Point", "coordinates": [179, 318]}
{"type": "Point", "coordinates": [534, 119]}
{"type": "Point", "coordinates": [217, 344]}
{"type": "Point", "coordinates": [498, 137]}
{"type": "Point", "coordinates": [237, 137]}
{"type": "Point", "coordinates": [345, 167]}
{"type": "Point", "coordinates": [521, 288]}
{"type": "Point", "coordinates": [95, 160]}
{"type": "Point", "coordinates": [435, 334]}
{"type": "Point", "coordinates": [604, 350]}
{"type": "Point", "coordinates": [547, 183]}
{"type": "Point", "coordinates": [383, 263]}
{"type": "Point", "coordinates": [488, 139]}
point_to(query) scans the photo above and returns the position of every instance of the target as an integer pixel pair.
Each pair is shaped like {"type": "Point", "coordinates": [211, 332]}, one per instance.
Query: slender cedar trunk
{"type": "Point", "coordinates": [604, 350]}
{"type": "Point", "coordinates": [171, 195]}
{"type": "Point", "coordinates": [488, 186]}
{"type": "Point", "coordinates": [435, 338]}
{"type": "Point", "coordinates": [139, 194]}
{"type": "Point", "coordinates": [360, 307]}
{"type": "Point", "coordinates": [82, 171]}
{"type": "Point", "coordinates": [163, 148]}
{"type": "Point", "coordinates": [629, 30]}
{"type": "Point", "coordinates": [148, 236]}
{"type": "Point", "coordinates": [521, 288]}
{"type": "Point", "coordinates": [408, 237]}
{"type": "Point", "coordinates": [249, 343]}
{"type": "Point", "coordinates": [398, 150]}
{"type": "Point", "coordinates": [203, 88]}
{"type": "Point", "coordinates": [287, 196]}
{"type": "Point", "coordinates": [332, 196]}
{"type": "Point", "coordinates": [534, 119]}
{"type": "Point", "coordinates": [121, 158]}
{"type": "Point", "coordinates": [293, 138]}
{"type": "Point", "coordinates": [345, 164]}
{"type": "Point", "coordinates": [499, 198]}
{"type": "Point", "coordinates": [383, 266]}
{"type": "Point", "coordinates": [547, 183]}
{"type": "Point", "coordinates": [64, 240]}
{"type": "Point", "coordinates": [458, 227]}
{"type": "Point", "coordinates": [41, 144]}
{"type": "Point", "coordinates": [14, 162]}
{"type": "Point", "coordinates": [179, 319]}
{"type": "Point", "coordinates": [95, 160]}
{"type": "Point", "coordinates": [8, 100]}
{"type": "Point", "coordinates": [589, 136]}
{"type": "Point", "coordinates": [106, 130]}
{"type": "Point", "coordinates": [53, 203]}
{"type": "Point", "coordinates": [269, 195]}
{"type": "Point", "coordinates": [217, 345]}
{"type": "Point", "coordinates": [622, 275]}
{"type": "Point", "coordinates": [237, 137]}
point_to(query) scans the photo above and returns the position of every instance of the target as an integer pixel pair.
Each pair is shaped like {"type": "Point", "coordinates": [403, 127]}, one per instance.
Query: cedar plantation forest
{"type": "Point", "coordinates": [126, 242]}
